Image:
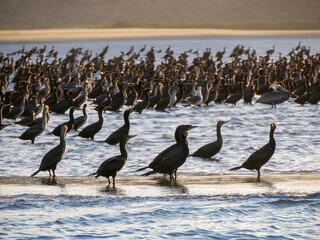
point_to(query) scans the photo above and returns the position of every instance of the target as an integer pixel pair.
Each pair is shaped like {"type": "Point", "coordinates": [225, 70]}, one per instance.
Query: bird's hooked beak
{"type": "Point", "coordinates": [131, 136]}
{"type": "Point", "coordinates": [224, 122]}
{"type": "Point", "coordinates": [191, 127]}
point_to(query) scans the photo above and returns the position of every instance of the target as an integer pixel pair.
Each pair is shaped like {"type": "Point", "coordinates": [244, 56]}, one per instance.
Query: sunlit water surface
{"type": "Point", "coordinates": [175, 215]}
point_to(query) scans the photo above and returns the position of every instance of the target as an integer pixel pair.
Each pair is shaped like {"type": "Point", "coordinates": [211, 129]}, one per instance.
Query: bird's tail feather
{"type": "Point", "coordinates": [35, 173]}
{"type": "Point", "coordinates": [235, 169]}
{"type": "Point", "coordinates": [148, 173]}
{"type": "Point", "coordinates": [140, 169]}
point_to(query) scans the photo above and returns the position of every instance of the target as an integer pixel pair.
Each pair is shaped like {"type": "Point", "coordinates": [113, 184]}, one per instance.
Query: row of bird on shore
{"type": "Point", "coordinates": [166, 162]}
{"type": "Point", "coordinates": [40, 82]}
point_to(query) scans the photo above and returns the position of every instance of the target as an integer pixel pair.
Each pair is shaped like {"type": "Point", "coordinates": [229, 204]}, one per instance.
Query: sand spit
{"type": "Point", "coordinates": [134, 186]}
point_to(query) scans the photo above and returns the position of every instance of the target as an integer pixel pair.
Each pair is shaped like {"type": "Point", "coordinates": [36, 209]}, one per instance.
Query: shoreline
{"type": "Point", "coordinates": [60, 35]}
{"type": "Point", "coordinates": [153, 186]}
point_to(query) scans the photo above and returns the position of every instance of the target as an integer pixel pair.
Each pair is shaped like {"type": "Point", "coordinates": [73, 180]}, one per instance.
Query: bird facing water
{"type": "Point", "coordinates": [260, 157]}
{"type": "Point", "coordinates": [113, 165]}
{"type": "Point", "coordinates": [52, 158]}
{"type": "Point", "coordinates": [211, 149]}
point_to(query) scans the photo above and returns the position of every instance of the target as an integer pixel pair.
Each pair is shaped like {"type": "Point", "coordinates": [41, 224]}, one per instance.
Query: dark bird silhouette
{"type": "Point", "coordinates": [34, 131]}
{"type": "Point", "coordinates": [114, 138]}
{"type": "Point", "coordinates": [177, 136]}
{"type": "Point", "coordinates": [53, 157]}
{"type": "Point", "coordinates": [92, 129]}
{"type": "Point", "coordinates": [211, 149]}
{"type": "Point", "coordinates": [174, 159]}
{"type": "Point", "coordinates": [80, 121]}
{"type": "Point", "coordinates": [70, 124]}
{"type": "Point", "coordinates": [260, 157]}
{"type": "Point", "coordinates": [112, 166]}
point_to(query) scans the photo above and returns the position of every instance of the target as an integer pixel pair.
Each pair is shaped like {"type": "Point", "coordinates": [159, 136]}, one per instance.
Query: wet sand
{"type": "Point", "coordinates": [56, 35]}
{"type": "Point", "coordinates": [133, 186]}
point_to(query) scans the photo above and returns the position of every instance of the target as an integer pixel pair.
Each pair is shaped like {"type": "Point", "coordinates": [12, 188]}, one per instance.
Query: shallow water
{"type": "Point", "coordinates": [175, 214]}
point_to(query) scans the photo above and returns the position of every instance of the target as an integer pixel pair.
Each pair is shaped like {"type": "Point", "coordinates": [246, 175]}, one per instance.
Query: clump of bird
{"type": "Point", "coordinates": [37, 81]}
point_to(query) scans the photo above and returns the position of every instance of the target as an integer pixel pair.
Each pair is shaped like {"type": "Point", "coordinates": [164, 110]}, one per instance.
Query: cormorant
{"type": "Point", "coordinates": [80, 121]}
{"type": "Point", "coordinates": [92, 129]}
{"type": "Point", "coordinates": [260, 157]}
{"type": "Point", "coordinates": [70, 124]}
{"type": "Point", "coordinates": [54, 156]}
{"type": "Point", "coordinates": [211, 149]}
{"type": "Point", "coordinates": [170, 163]}
{"type": "Point", "coordinates": [112, 166]}
{"type": "Point", "coordinates": [34, 131]}
{"type": "Point", "coordinates": [177, 136]}
{"type": "Point", "coordinates": [114, 138]}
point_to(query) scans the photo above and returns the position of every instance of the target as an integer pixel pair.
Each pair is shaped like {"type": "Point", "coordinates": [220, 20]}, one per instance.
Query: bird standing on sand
{"type": "Point", "coordinates": [112, 166]}
{"type": "Point", "coordinates": [160, 156]}
{"type": "Point", "coordinates": [261, 156]}
{"type": "Point", "coordinates": [211, 149]}
{"type": "Point", "coordinates": [174, 159]}
{"type": "Point", "coordinates": [53, 157]}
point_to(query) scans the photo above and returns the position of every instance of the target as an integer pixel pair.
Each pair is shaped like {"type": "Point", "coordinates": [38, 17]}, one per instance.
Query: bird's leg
{"type": "Point", "coordinates": [49, 173]}
{"type": "Point", "coordinates": [171, 178]}
{"type": "Point", "coordinates": [258, 175]}
{"type": "Point", "coordinates": [54, 174]}
{"type": "Point", "coordinates": [175, 175]}
{"type": "Point", "coordinates": [114, 182]}
{"type": "Point", "coordinates": [108, 182]}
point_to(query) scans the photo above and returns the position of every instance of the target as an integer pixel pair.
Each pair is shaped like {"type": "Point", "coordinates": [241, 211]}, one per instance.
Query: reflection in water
{"type": "Point", "coordinates": [49, 181]}
{"type": "Point", "coordinates": [164, 182]}
{"type": "Point", "coordinates": [113, 191]}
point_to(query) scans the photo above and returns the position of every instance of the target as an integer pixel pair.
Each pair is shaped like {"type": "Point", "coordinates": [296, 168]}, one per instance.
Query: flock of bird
{"type": "Point", "coordinates": [36, 81]}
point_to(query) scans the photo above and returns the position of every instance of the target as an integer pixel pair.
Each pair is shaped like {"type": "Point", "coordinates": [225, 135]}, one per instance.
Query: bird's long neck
{"type": "Point", "coordinates": [126, 120]}
{"type": "Point", "coordinates": [123, 149]}
{"type": "Point", "coordinates": [71, 117]}
{"type": "Point", "coordinates": [271, 138]}
{"type": "Point", "coordinates": [219, 136]}
{"type": "Point", "coordinates": [100, 116]}
{"type": "Point", "coordinates": [63, 142]}
{"type": "Point", "coordinates": [84, 111]}
{"type": "Point", "coordinates": [185, 146]}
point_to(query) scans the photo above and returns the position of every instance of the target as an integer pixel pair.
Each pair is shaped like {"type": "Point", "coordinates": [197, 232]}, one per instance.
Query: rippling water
{"type": "Point", "coordinates": [177, 214]}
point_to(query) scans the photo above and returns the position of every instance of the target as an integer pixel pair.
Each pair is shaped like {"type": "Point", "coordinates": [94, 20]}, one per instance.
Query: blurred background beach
{"type": "Point", "coordinates": [192, 18]}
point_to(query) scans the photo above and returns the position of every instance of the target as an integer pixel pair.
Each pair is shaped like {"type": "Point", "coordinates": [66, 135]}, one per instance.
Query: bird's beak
{"type": "Point", "coordinates": [225, 122]}
{"type": "Point", "coordinates": [192, 127]}
{"type": "Point", "coordinates": [131, 136]}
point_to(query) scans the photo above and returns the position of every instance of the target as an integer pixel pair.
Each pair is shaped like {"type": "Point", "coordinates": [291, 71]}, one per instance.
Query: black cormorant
{"type": "Point", "coordinates": [34, 131]}
{"type": "Point", "coordinates": [80, 121]}
{"type": "Point", "coordinates": [92, 129]}
{"type": "Point", "coordinates": [54, 156]}
{"type": "Point", "coordinates": [170, 163]}
{"type": "Point", "coordinates": [261, 156]}
{"type": "Point", "coordinates": [211, 149]}
{"type": "Point", "coordinates": [112, 166]}
{"type": "Point", "coordinates": [70, 124]}
{"type": "Point", "coordinates": [114, 138]}
{"type": "Point", "coordinates": [177, 136]}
